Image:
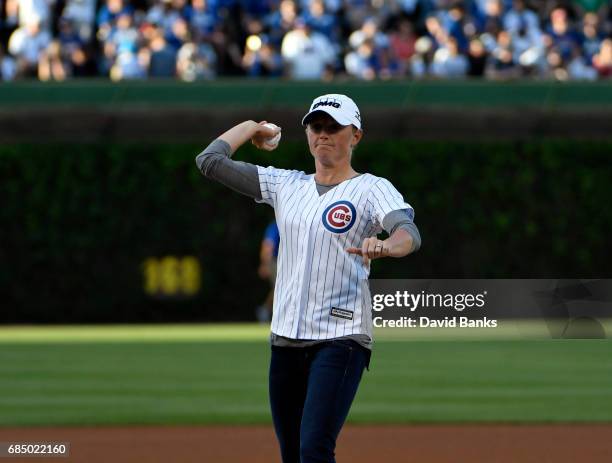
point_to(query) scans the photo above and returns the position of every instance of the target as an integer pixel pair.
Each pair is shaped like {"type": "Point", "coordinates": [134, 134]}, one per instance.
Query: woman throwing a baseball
{"type": "Point", "coordinates": [328, 221]}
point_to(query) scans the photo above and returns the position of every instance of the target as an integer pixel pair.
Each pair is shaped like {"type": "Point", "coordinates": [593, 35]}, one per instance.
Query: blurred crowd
{"type": "Point", "coordinates": [305, 39]}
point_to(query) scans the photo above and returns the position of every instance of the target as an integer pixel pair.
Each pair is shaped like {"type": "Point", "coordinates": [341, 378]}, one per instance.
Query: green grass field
{"type": "Point", "coordinates": [199, 374]}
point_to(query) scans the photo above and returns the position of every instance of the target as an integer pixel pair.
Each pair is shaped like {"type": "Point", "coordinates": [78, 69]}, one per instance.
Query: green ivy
{"type": "Point", "coordinates": [79, 220]}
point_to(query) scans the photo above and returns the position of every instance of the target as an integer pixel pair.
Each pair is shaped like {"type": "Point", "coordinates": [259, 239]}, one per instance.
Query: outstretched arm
{"type": "Point", "coordinates": [399, 244]}
{"type": "Point", "coordinates": [404, 238]}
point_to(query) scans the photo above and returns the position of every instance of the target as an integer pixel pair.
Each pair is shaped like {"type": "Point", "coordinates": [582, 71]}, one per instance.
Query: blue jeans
{"type": "Point", "coordinates": [311, 391]}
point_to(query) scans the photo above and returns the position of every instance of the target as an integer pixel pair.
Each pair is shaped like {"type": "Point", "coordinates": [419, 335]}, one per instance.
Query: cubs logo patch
{"type": "Point", "coordinates": [339, 217]}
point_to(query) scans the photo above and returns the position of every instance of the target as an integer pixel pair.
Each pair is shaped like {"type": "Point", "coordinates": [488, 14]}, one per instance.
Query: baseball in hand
{"type": "Point", "coordinates": [272, 142]}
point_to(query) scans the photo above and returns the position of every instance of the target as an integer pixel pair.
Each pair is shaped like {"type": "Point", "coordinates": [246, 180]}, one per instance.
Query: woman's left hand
{"type": "Point", "coordinates": [372, 248]}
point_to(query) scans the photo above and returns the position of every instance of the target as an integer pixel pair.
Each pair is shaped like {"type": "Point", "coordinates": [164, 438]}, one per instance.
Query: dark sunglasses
{"type": "Point", "coordinates": [330, 127]}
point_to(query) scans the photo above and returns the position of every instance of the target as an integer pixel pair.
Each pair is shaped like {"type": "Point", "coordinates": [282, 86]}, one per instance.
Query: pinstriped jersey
{"type": "Point", "coordinates": [321, 290]}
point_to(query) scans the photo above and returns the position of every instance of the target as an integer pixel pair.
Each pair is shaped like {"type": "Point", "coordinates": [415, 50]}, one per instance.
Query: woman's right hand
{"type": "Point", "coordinates": [262, 133]}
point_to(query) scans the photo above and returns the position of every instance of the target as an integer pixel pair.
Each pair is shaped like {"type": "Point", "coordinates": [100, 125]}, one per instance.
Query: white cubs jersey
{"type": "Point", "coordinates": [321, 290]}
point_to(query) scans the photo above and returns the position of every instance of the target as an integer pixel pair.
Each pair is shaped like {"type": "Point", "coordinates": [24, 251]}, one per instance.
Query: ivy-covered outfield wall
{"type": "Point", "coordinates": [117, 233]}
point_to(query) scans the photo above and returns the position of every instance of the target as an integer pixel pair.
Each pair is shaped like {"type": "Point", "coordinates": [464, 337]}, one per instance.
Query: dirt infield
{"type": "Point", "coordinates": [357, 444]}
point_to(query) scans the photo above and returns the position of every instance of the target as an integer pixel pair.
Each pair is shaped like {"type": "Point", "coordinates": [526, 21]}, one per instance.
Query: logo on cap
{"type": "Point", "coordinates": [339, 217]}
{"type": "Point", "coordinates": [327, 102]}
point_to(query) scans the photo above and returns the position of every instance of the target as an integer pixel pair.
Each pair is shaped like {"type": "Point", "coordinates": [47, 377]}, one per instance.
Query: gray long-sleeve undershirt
{"type": "Point", "coordinates": [215, 163]}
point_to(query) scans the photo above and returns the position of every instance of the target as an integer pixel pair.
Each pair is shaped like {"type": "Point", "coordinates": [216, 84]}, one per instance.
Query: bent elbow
{"type": "Point", "coordinates": [212, 155]}
{"type": "Point", "coordinates": [207, 162]}
{"type": "Point", "coordinates": [200, 160]}
{"type": "Point", "coordinates": [416, 242]}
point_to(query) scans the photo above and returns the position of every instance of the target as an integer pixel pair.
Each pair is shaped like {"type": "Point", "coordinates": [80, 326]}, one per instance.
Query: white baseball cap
{"type": "Point", "coordinates": [340, 107]}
